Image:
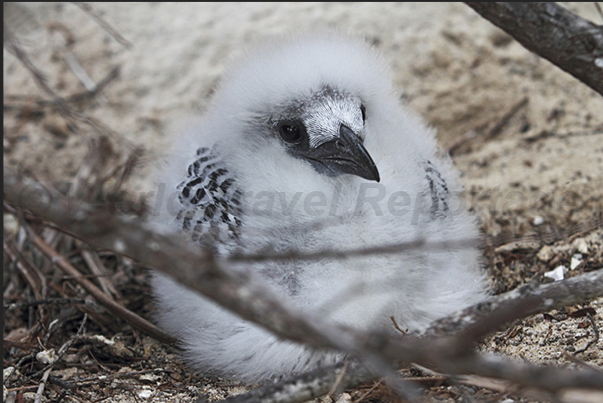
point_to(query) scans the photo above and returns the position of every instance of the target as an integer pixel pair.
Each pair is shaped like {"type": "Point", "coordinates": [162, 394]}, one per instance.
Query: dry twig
{"type": "Point", "coordinates": [104, 24]}
{"type": "Point", "coordinates": [549, 296]}
{"type": "Point", "coordinates": [105, 300]}
{"type": "Point", "coordinates": [21, 102]}
{"type": "Point", "coordinates": [59, 301]}
{"type": "Point", "coordinates": [72, 116]}
{"type": "Point", "coordinates": [508, 115]}
{"type": "Point", "coordinates": [58, 356]}
{"type": "Point", "coordinates": [595, 334]}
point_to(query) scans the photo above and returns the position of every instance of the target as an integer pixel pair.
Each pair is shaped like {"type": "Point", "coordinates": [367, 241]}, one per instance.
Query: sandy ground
{"type": "Point", "coordinates": [539, 171]}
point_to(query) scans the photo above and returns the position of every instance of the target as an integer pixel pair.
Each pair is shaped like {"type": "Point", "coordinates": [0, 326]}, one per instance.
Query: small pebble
{"type": "Point", "coordinates": [546, 253]}
{"type": "Point", "coordinates": [557, 273]}
{"type": "Point", "coordinates": [145, 393]}
{"type": "Point", "coordinates": [576, 260]}
{"type": "Point", "coordinates": [46, 356]}
{"type": "Point", "coordinates": [580, 245]}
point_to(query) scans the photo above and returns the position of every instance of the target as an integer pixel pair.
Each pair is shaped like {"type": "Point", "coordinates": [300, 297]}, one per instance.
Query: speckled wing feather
{"type": "Point", "coordinates": [438, 190]}
{"type": "Point", "coordinates": [210, 201]}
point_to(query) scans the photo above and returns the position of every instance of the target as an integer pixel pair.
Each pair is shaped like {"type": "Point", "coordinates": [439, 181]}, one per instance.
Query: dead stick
{"type": "Point", "coordinates": [572, 43]}
{"type": "Point", "coordinates": [104, 24]}
{"type": "Point", "coordinates": [102, 298]}
{"type": "Point", "coordinates": [497, 128]}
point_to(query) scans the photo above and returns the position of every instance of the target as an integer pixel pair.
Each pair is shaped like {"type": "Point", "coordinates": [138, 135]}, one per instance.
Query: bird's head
{"type": "Point", "coordinates": [315, 95]}
{"type": "Point", "coordinates": [326, 129]}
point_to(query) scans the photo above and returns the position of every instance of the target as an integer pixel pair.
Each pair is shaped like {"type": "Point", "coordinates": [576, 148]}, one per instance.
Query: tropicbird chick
{"type": "Point", "coordinates": [306, 147]}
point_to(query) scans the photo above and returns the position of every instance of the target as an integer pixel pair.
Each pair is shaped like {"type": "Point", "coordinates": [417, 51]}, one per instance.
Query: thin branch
{"type": "Point", "coordinates": [595, 334]}
{"type": "Point", "coordinates": [598, 7]}
{"type": "Point", "coordinates": [507, 388]}
{"type": "Point", "coordinates": [395, 248]}
{"type": "Point", "coordinates": [64, 47]}
{"type": "Point", "coordinates": [572, 43]}
{"type": "Point", "coordinates": [550, 296]}
{"type": "Point", "coordinates": [307, 386]}
{"type": "Point", "coordinates": [508, 115]}
{"type": "Point", "coordinates": [42, 103]}
{"type": "Point", "coordinates": [58, 356]}
{"type": "Point", "coordinates": [336, 385]}
{"type": "Point", "coordinates": [42, 385]}
{"type": "Point", "coordinates": [97, 268]}
{"type": "Point", "coordinates": [48, 301]}
{"type": "Point", "coordinates": [12, 45]}
{"type": "Point", "coordinates": [105, 300]}
{"type": "Point", "coordinates": [31, 275]}
{"type": "Point", "coordinates": [71, 116]}
{"type": "Point", "coordinates": [104, 24]}
{"type": "Point", "coordinates": [470, 135]}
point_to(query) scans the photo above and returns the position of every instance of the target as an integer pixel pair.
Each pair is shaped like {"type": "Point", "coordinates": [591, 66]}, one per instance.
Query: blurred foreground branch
{"type": "Point", "coordinates": [380, 352]}
{"type": "Point", "coordinates": [572, 43]}
{"type": "Point", "coordinates": [446, 345]}
{"type": "Point", "coordinates": [104, 229]}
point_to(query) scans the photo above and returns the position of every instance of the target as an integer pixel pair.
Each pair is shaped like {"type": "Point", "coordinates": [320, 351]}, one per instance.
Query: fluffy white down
{"type": "Point", "coordinates": [415, 286]}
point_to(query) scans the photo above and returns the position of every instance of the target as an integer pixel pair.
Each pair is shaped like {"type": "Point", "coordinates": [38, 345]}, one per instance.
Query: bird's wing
{"type": "Point", "coordinates": [437, 190]}
{"type": "Point", "coordinates": [209, 200]}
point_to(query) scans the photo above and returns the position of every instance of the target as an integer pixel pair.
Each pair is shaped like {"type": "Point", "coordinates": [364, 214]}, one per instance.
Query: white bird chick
{"type": "Point", "coordinates": [307, 148]}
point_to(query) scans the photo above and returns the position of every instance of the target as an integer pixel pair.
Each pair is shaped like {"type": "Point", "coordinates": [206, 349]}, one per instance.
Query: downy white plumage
{"type": "Point", "coordinates": [306, 147]}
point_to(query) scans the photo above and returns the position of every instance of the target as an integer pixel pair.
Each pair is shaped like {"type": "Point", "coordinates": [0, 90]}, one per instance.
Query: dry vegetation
{"type": "Point", "coordinates": [77, 318]}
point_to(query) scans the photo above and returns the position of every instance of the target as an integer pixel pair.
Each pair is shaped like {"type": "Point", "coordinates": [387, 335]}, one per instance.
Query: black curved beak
{"type": "Point", "coordinates": [345, 154]}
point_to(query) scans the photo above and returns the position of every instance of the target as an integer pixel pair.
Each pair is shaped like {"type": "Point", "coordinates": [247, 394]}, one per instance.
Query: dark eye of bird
{"type": "Point", "coordinates": [292, 131]}
{"type": "Point", "coordinates": [363, 110]}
